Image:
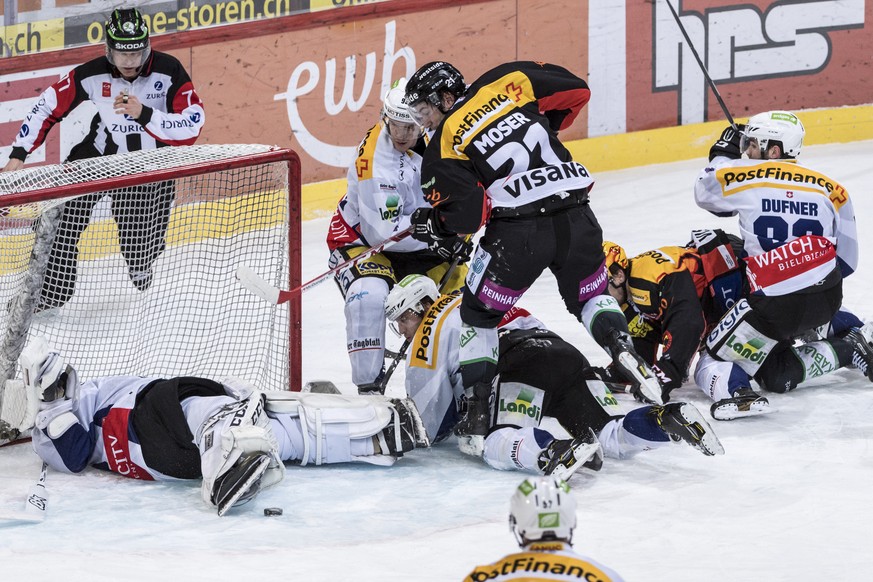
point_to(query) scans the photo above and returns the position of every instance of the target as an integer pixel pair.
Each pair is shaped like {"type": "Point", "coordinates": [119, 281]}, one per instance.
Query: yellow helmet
{"type": "Point", "coordinates": [615, 255]}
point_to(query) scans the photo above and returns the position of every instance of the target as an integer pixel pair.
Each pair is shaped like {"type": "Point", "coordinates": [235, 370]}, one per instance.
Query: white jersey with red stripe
{"type": "Point", "coordinates": [172, 111]}
{"type": "Point", "coordinates": [384, 189]}
{"type": "Point", "coordinates": [790, 218]}
{"type": "Point", "coordinates": [102, 407]}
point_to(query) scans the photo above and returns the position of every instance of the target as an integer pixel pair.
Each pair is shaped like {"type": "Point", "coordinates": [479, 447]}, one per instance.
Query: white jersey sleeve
{"type": "Point", "coordinates": [102, 408]}
{"type": "Point", "coordinates": [384, 189]}
{"type": "Point", "coordinates": [433, 375]}
{"type": "Point", "coordinates": [778, 201]}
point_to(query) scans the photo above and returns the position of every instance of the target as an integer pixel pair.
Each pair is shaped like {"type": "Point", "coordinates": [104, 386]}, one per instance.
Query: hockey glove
{"type": "Point", "coordinates": [456, 247]}
{"type": "Point", "coordinates": [607, 375]}
{"type": "Point", "coordinates": [426, 226]}
{"type": "Point", "coordinates": [728, 144]}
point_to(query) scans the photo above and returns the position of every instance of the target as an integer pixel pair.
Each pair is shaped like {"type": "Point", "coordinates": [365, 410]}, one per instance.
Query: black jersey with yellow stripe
{"type": "Point", "coordinates": [665, 286]}
{"type": "Point", "coordinates": [499, 144]}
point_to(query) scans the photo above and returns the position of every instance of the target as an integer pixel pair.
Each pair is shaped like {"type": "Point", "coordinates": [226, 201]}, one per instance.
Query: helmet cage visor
{"type": "Point", "coordinates": [126, 59]}
{"type": "Point", "coordinates": [750, 140]}
{"type": "Point", "coordinates": [424, 109]}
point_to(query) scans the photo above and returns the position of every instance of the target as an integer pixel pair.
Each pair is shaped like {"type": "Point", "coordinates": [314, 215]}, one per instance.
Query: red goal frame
{"type": "Point", "coordinates": [281, 155]}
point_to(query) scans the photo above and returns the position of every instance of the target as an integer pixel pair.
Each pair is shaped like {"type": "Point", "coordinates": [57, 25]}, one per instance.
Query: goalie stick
{"type": "Point", "coordinates": [257, 285]}
{"type": "Point", "coordinates": [35, 505]}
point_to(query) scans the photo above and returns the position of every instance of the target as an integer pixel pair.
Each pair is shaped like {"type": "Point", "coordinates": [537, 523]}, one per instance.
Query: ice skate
{"type": "Point", "coordinates": [644, 384]}
{"type": "Point", "coordinates": [683, 422]}
{"type": "Point", "coordinates": [562, 458]}
{"type": "Point", "coordinates": [745, 402]}
{"type": "Point", "coordinates": [862, 355]}
{"type": "Point", "coordinates": [142, 280]}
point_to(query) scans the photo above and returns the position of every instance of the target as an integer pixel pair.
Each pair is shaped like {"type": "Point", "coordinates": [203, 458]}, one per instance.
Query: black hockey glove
{"type": "Point", "coordinates": [426, 226]}
{"type": "Point", "coordinates": [728, 144]}
{"type": "Point", "coordinates": [456, 247]}
{"type": "Point", "coordinates": [607, 375]}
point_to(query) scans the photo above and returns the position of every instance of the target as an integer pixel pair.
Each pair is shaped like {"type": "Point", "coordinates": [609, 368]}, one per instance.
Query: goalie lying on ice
{"type": "Point", "coordinates": [233, 437]}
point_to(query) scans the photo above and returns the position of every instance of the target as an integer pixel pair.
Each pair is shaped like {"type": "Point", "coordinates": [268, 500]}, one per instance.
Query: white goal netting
{"type": "Point", "coordinates": [126, 263]}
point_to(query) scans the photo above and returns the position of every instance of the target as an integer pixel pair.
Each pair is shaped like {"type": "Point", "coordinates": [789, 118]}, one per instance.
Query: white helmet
{"type": "Point", "coordinates": [542, 508]}
{"type": "Point", "coordinates": [779, 126]}
{"type": "Point", "coordinates": [408, 293]}
{"type": "Point", "coordinates": [393, 106]}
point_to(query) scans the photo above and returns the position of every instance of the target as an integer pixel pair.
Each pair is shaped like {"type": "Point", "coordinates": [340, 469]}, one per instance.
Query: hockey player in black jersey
{"type": "Point", "coordinates": [674, 295]}
{"type": "Point", "coordinates": [495, 158]}
{"type": "Point", "coordinates": [144, 100]}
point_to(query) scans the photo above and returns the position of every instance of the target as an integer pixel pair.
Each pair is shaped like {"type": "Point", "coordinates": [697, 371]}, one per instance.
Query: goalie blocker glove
{"type": "Point", "coordinates": [728, 144]}
{"type": "Point", "coordinates": [241, 483]}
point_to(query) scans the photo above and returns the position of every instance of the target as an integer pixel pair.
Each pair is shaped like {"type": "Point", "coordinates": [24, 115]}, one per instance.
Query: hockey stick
{"type": "Point", "coordinates": [257, 285]}
{"type": "Point", "coordinates": [709, 80]}
{"type": "Point", "coordinates": [401, 353]}
{"type": "Point", "coordinates": [36, 504]}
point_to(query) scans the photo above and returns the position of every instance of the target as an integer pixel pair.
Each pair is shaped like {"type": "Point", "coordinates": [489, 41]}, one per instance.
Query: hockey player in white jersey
{"type": "Point", "coordinates": [799, 234]}
{"type": "Point", "coordinates": [539, 374]}
{"type": "Point", "coordinates": [384, 189]}
{"type": "Point", "coordinates": [673, 296]}
{"type": "Point", "coordinates": [234, 437]}
{"type": "Point", "coordinates": [542, 516]}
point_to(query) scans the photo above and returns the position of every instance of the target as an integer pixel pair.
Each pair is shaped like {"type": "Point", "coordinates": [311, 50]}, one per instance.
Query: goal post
{"type": "Point", "coordinates": [125, 263]}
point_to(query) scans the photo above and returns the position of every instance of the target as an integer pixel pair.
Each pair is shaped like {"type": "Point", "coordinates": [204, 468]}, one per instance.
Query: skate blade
{"type": "Point", "coordinates": [731, 411]}
{"type": "Point", "coordinates": [583, 453]}
{"type": "Point", "coordinates": [649, 387]}
{"type": "Point", "coordinates": [708, 443]}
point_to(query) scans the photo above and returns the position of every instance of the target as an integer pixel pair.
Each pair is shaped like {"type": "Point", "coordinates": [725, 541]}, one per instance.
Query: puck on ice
{"type": "Point", "coordinates": [271, 511]}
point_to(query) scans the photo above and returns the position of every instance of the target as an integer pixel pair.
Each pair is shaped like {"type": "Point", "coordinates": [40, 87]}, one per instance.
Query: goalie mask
{"type": "Point", "coordinates": [127, 39]}
{"type": "Point", "coordinates": [542, 509]}
{"type": "Point", "coordinates": [770, 128]}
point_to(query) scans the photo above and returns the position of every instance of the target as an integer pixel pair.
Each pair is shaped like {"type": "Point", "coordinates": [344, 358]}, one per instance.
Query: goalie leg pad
{"type": "Point", "coordinates": [330, 424]}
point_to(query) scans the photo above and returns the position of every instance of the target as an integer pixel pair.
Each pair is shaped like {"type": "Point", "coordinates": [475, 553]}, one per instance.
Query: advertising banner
{"type": "Point", "coordinates": [319, 89]}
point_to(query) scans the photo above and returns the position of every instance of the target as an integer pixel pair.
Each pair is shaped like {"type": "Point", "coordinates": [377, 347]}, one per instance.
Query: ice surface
{"type": "Point", "coordinates": [789, 501]}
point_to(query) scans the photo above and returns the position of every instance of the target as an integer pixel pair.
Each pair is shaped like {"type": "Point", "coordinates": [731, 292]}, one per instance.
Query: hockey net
{"type": "Point", "coordinates": [148, 287]}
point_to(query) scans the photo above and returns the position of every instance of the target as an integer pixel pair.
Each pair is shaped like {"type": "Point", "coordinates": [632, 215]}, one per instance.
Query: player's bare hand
{"type": "Point", "coordinates": [128, 104]}
{"type": "Point", "coordinates": [13, 164]}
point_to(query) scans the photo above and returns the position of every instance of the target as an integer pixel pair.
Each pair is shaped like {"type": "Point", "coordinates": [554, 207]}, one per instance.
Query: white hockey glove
{"type": "Point", "coordinates": [42, 366]}
{"type": "Point", "coordinates": [230, 437]}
